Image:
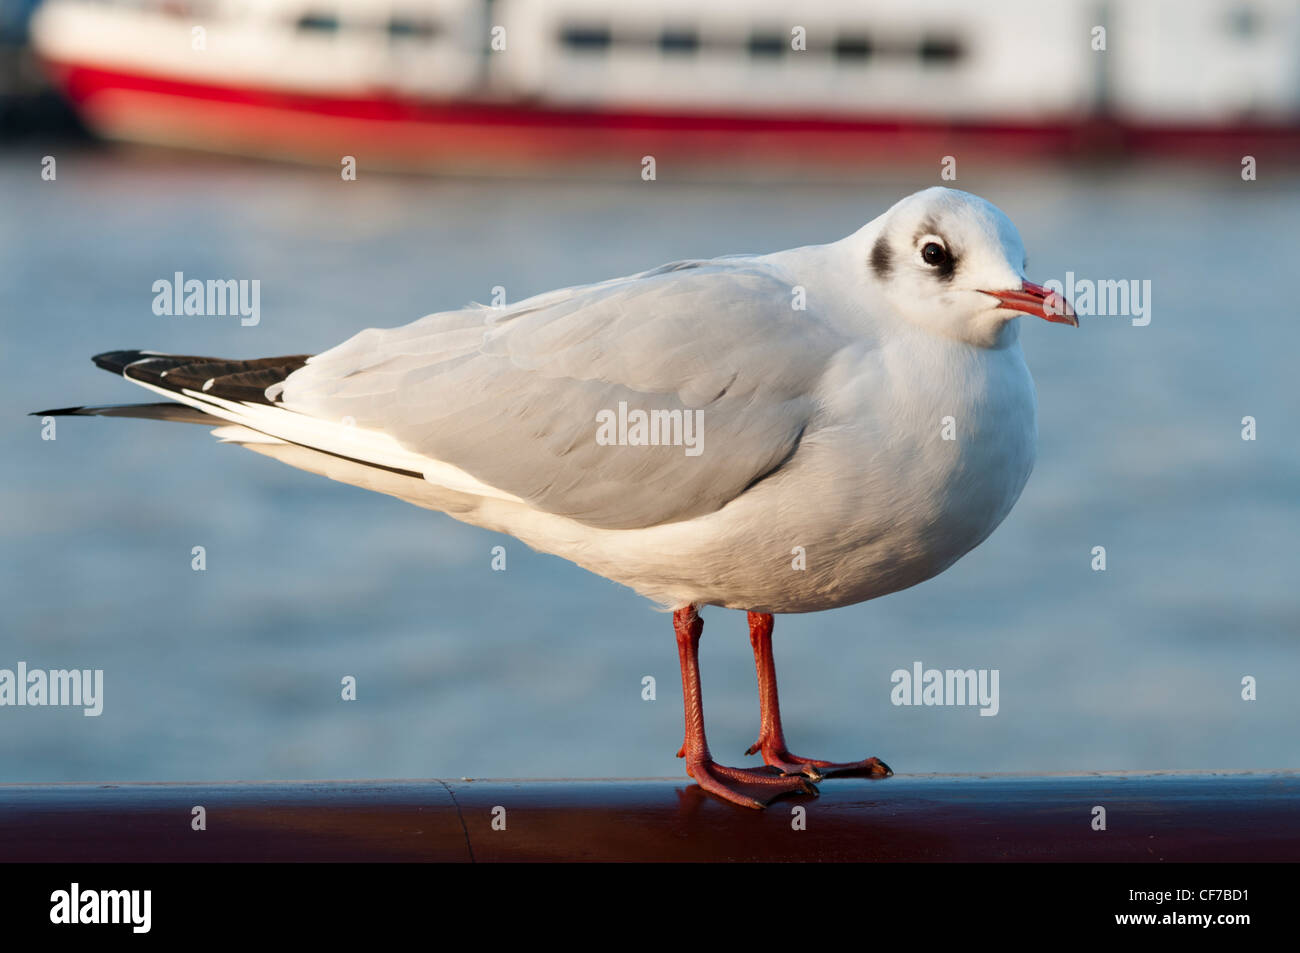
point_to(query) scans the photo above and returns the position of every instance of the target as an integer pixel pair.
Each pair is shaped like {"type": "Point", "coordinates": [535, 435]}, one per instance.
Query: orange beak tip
{"type": "Point", "coordinates": [1041, 302]}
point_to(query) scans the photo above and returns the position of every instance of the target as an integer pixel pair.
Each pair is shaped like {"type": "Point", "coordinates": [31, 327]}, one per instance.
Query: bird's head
{"type": "Point", "coordinates": [954, 264]}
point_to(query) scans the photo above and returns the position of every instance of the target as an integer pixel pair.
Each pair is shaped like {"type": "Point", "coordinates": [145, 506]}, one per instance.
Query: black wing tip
{"type": "Point", "coordinates": [118, 361]}
{"type": "Point", "coordinates": [58, 412]}
{"type": "Point", "coordinates": [234, 379]}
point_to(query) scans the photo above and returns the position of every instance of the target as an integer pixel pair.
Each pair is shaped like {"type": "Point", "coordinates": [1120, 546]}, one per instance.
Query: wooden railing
{"type": "Point", "coordinates": [1147, 817]}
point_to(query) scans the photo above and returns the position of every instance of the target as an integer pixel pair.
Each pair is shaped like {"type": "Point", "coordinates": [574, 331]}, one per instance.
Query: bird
{"type": "Point", "coordinates": [775, 433]}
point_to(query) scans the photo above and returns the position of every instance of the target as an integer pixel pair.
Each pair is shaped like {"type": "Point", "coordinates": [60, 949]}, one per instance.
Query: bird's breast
{"type": "Point", "coordinates": [932, 459]}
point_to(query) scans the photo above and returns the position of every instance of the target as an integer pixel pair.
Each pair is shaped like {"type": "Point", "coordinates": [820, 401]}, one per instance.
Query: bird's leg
{"type": "Point", "coordinates": [771, 739]}
{"type": "Point", "coordinates": [745, 786]}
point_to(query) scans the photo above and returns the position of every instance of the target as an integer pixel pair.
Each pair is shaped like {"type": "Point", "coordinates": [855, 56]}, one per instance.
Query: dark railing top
{"type": "Point", "coordinates": [1228, 816]}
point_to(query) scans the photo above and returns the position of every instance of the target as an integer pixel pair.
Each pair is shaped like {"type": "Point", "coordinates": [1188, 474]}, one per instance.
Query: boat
{"type": "Point", "coordinates": [473, 84]}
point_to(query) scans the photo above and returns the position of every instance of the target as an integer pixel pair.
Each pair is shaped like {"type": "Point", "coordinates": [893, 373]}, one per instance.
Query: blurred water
{"type": "Point", "coordinates": [536, 671]}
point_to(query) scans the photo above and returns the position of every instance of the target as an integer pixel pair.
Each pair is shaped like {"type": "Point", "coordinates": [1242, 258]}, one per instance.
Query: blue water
{"type": "Point", "coordinates": [234, 672]}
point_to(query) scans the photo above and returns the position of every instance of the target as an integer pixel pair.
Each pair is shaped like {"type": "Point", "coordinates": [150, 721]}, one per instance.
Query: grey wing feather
{"type": "Point", "coordinates": [512, 396]}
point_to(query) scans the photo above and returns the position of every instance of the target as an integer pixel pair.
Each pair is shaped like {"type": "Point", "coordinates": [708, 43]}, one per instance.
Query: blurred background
{"type": "Point", "coordinates": [504, 144]}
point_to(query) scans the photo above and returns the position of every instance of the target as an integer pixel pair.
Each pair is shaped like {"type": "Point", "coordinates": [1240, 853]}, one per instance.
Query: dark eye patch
{"type": "Point", "coordinates": [940, 260]}
{"type": "Point", "coordinates": [882, 259]}
{"type": "Point", "coordinates": [946, 269]}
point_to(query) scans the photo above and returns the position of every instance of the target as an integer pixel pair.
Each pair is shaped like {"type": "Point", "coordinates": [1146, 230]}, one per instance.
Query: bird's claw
{"type": "Point", "coordinates": [790, 764]}
{"type": "Point", "coordinates": [870, 768]}
{"type": "Point", "coordinates": [748, 787]}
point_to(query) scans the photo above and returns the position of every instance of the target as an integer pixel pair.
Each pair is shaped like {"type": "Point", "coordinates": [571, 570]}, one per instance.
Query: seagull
{"type": "Point", "coordinates": [787, 432]}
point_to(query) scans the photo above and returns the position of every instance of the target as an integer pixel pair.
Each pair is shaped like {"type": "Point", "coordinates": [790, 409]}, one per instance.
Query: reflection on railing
{"type": "Point", "coordinates": [1092, 817]}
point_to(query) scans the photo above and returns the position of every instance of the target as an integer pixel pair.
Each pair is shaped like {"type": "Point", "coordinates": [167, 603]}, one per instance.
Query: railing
{"type": "Point", "coordinates": [1147, 817]}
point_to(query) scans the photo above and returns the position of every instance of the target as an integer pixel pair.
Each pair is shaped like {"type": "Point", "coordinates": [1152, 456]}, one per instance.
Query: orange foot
{"type": "Point", "coordinates": [788, 764]}
{"type": "Point", "coordinates": [748, 787]}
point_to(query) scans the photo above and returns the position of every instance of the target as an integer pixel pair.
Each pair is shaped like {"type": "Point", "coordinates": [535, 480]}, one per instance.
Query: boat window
{"type": "Point", "coordinates": [317, 21]}
{"type": "Point", "coordinates": [937, 49]}
{"type": "Point", "coordinates": [1243, 22]}
{"type": "Point", "coordinates": [852, 47]}
{"type": "Point", "coordinates": [411, 28]}
{"type": "Point", "coordinates": [767, 44]}
{"type": "Point", "coordinates": [679, 41]}
{"type": "Point", "coordinates": [586, 38]}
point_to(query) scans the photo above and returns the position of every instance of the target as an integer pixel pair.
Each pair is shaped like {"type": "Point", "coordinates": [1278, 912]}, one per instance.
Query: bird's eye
{"type": "Point", "coordinates": [934, 254]}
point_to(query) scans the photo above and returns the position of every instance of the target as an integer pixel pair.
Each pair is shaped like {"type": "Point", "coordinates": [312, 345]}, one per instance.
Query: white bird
{"type": "Point", "coordinates": [788, 432]}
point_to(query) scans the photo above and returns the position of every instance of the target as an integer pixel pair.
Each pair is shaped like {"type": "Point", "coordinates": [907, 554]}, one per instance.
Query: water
{"type": "Point", "coordinates": [234, 673]}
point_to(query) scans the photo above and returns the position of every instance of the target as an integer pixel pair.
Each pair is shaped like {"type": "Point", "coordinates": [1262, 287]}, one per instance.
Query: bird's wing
{"type": "Point", "coordinates": [515, 396]}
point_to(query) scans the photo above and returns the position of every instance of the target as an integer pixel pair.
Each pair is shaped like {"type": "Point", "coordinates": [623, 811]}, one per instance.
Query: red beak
{"type": "Point", "coordinates": [1034, 299]}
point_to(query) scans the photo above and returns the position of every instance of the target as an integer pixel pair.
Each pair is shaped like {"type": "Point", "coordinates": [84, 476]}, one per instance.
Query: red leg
{"type": "Point", "coordinates": [771, 739]}
{"type": "Point", "coordinates": [745, 786]}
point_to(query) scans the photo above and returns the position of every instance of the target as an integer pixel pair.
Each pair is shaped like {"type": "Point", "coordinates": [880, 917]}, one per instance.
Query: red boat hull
{"type": "Point", "coordinates": [390, 131]}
